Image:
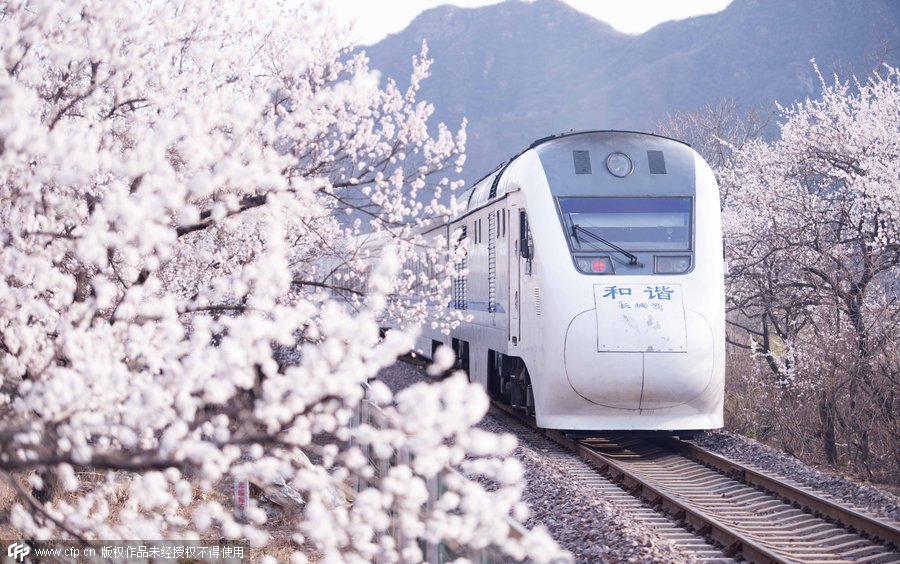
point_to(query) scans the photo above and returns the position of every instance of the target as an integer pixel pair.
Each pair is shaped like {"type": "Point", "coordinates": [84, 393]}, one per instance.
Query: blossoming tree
{"type": "Point", "coordinates": [812, 226]}
{"type": "Point", "coordinates": [189, 195]}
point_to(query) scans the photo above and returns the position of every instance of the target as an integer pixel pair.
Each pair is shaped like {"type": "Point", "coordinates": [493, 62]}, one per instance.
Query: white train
{"type": "Point", "coordinates": [595, 284]}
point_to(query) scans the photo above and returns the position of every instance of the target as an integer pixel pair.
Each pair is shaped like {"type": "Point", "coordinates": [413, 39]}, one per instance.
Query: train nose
{"type": "Point", "coordinates": [639, 379]}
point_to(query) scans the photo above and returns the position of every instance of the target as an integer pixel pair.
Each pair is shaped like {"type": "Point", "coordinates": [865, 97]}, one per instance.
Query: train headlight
{"type": "Point", "coordinates": [594, 265]}
{"type": "Point", "coordinates": [672, 265]}
{"type": "Point", "coordinates": [618, 164]}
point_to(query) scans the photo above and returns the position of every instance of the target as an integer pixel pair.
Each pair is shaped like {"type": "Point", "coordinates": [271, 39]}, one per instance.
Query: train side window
{"type": "Point", "coordinates": [497, 226]}
{"type": "Point", "coordinates": [524, 247]}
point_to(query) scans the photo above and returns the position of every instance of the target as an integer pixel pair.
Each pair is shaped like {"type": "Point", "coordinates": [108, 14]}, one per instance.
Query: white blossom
{"type": "Point", "coordinates": [183, 299]}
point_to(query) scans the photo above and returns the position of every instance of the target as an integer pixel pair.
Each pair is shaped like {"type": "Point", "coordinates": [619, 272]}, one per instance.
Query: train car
{"type": "Point", "coordinates": [594, 284]}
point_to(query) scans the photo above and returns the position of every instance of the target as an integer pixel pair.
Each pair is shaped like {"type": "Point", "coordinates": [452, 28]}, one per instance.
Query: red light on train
{"type": "Point", "coordinates": [593, 265]}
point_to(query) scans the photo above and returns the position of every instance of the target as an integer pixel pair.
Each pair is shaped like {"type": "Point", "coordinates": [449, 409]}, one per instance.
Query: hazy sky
{"type": "Point", "coordinates": [375, 19]}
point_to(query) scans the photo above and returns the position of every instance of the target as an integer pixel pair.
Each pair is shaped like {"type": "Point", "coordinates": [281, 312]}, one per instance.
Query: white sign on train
{"type": "Point", "coordinates": [640, 318]}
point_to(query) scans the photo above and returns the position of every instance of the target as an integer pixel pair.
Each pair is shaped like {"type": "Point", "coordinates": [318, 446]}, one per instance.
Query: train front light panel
{"type": "Point", "coordinates": [594, 265]}
{"type": "Point", "coordinates": [672, 264]}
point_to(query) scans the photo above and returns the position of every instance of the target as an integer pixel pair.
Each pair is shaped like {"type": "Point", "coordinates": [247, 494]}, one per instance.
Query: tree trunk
{"type": "Point", "coordinates": [826, 416]}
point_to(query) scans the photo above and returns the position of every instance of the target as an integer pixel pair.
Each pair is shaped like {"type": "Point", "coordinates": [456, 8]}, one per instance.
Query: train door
{"type": "Point", "coordinates": [515, 274]}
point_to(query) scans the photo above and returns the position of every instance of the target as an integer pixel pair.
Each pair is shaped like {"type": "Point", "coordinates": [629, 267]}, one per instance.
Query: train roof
{"type": "Point", "coordinates": [488, 187]}
{"type": "Point", "coordinates": [543, 140]}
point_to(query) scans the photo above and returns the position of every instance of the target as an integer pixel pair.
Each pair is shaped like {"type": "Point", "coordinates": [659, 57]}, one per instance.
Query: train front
{"type": "Point", "coordinates": [628, 258]}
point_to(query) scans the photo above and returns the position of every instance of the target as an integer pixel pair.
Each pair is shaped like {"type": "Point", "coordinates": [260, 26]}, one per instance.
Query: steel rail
{"type": "Point", "coordinates": [850, 518]}
{"type": "Point", "coordinates": [758, 538]}
{"type": "Point", "coordinates": [734, 542]}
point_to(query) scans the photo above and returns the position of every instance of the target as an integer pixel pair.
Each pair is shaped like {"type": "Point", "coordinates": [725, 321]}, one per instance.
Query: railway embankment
{"type": "Point", "coordinates": [596, 520]}
{"type": "Point", "coordinates": [863, 497]}
{"type": "Point", "coordinates": [592, 528]}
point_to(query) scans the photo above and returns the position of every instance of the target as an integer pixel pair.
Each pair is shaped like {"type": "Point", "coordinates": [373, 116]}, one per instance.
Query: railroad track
{"type": "Point", "coordinates": [749, 514]}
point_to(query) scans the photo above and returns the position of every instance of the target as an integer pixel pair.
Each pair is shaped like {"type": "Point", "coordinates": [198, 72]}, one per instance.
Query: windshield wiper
{"type": "Point", "coordinates": [632, 259]}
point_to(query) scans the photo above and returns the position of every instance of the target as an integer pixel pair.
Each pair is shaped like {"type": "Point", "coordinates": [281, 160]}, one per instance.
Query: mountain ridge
{"type": "Point", "coordinates": [523, 70]}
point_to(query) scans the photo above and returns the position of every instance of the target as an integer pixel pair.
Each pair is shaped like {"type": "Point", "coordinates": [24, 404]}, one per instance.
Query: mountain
{"type": "Point", "coordinates": [522, 70]}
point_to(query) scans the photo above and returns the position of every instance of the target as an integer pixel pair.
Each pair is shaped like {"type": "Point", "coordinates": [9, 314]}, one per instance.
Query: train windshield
{"type": "Point", "coordinates": [632, 224]}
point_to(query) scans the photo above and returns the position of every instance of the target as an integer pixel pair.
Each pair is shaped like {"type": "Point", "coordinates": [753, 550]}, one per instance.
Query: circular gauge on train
{"type": "Point", "coordinates": [619, 164]}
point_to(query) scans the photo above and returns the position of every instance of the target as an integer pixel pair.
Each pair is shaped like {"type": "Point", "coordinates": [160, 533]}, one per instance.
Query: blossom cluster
{"type": "Point", "coordinates": [206, 209]}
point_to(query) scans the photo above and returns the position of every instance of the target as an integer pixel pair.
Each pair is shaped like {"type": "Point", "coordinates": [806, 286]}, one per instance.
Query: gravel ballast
{"type": "Point", "coordinates": [866, 498]}
{"type": "Point", "coordinates": [578, 517]}
{"type": "Point", "coordinates": [595, 530]}
{"type": "Point", "coordinates": [592, 529]}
